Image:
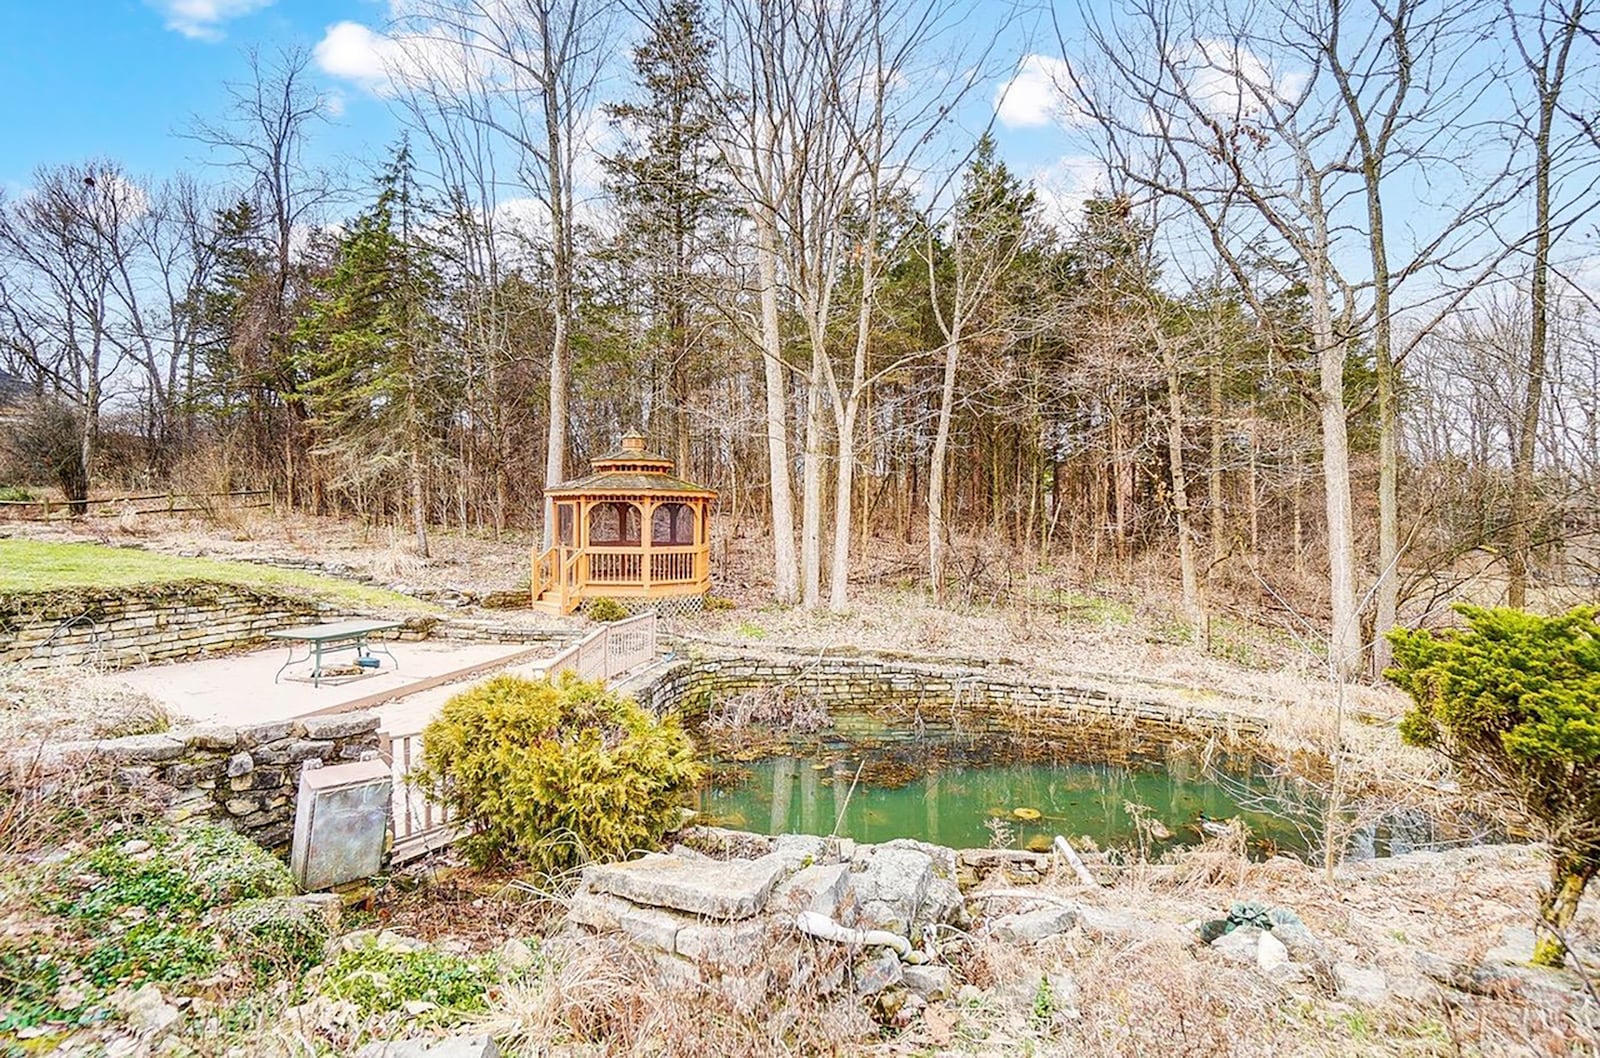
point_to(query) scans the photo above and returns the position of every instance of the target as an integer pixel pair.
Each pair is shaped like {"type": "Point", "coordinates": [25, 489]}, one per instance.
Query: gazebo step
{"type": "Point", "coordinates": [547, 604]}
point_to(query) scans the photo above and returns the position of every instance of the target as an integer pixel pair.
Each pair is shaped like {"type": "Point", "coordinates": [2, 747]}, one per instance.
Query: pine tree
{"type": "Point", "coordinates": [368, 345]}
{"type": "Point", "coordinates": [666, 181]}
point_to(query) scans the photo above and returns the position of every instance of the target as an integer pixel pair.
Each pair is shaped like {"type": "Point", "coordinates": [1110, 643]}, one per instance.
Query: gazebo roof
{"type": "Point", "coordinates": [631, 468]}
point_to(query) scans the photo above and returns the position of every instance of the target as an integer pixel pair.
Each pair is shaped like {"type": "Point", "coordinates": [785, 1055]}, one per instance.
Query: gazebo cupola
{"type": "Point", "coordinates": [629, 530]}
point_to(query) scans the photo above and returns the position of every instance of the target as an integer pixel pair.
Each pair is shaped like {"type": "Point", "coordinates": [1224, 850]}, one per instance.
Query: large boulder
{"type": "Point", "coordinates": [904, 886]}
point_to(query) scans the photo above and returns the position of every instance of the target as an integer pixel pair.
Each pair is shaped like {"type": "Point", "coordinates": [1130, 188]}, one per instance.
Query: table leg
{"type": "Point", "coordinates": [382, 647]}
{"type": "Point", "coordinates": [285, 665]}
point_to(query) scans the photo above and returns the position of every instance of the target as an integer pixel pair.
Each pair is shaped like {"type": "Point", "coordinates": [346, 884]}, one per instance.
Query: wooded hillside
{"type": "Point", "coordinates": [1313, 331]}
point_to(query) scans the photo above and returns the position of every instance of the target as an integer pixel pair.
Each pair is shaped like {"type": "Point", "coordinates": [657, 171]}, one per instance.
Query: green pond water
{"type": "Point", "coordinates": [953, 804]}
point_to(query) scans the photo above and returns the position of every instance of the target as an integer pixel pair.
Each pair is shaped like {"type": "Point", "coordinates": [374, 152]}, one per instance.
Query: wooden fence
{"type": "Point", "coordinates": [47, 509]}
{"type": "Point", "coordinates": [420, 825]}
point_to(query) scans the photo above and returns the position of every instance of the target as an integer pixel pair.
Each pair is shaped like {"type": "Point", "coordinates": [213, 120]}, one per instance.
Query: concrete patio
{"type": "Point", "coordinates": [239, 688]}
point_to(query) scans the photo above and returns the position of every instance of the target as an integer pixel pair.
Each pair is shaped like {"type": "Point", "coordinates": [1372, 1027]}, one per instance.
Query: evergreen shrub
{"type": "Point", "coordinates": [606, 610]}
{"type": "Point", "coordinates": [1513, 699]}
{"type": "Point", "coordinates": [550, 774]}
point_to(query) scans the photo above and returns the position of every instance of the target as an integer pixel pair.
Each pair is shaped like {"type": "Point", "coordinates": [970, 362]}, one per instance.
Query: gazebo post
{"type": "Point", "coordinates": [647, 507]}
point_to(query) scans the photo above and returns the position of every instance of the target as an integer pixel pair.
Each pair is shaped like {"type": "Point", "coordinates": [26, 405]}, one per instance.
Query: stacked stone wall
{"type": "Point", "coordinates": [243, 776]}
{"type": "Point", "coordinates": [931, 698]}
{"type": "Point", "coordinates": [115, 629]}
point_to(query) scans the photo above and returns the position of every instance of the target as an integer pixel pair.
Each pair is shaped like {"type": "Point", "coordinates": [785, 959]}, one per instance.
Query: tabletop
{"type": "Point", "coordinates": [334, 630]}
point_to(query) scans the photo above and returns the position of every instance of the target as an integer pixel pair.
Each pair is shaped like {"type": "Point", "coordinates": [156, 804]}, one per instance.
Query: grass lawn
{"type": "Point", "coordinates": [36, 566]}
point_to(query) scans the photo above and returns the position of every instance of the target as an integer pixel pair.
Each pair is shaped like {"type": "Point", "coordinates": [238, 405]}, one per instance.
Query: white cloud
{"type": "Point", "coordinates": [1065, 185]}
{"type": "Point", "coordinates": [203, 19]}
{"type": "Point", "coordinates": [1036, 95]}
{"type": "Point", "coordinates": [351, 51]}
{"type": "Point", "coordinates": [385, 63]}
{"type": "Point", "coordinates": [1227, 80]}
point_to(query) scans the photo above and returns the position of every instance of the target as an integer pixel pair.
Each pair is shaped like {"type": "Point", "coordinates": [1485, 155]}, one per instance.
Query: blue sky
{"type": "Point", "coordinates": [121, 79]}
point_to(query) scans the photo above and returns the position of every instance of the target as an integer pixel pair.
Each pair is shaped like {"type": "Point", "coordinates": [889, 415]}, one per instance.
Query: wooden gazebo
{"type": "Point", "coordinates": [630, 531]}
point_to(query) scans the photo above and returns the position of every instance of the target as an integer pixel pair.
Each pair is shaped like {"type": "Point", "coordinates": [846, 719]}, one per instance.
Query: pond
{"type": "Point", "coordinates": [1018, 805]}
{"type": "Point", "coordinates": [1135, 795]}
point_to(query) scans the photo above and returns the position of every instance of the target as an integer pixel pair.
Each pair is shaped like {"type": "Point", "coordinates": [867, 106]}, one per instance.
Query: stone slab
{"type": "Point", "coordinates": [823, 888]}
{"type": "Point", "coordinates": [605, 913]}
{"type": "Point", "coordinates": [731, 889]}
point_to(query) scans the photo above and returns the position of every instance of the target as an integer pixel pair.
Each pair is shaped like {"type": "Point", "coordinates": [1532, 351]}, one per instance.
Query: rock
{"type": "Point", "coordinates": [1515, 947]}
{"type": "Point", "coordinates": [731, 889]}
{"type": "Point", "coordinates": [277, 926]}
{"type": "Point", "coordinates": [932, 983]}
{"type": "Point", "coordinates": [735, 946]}
{"type": "Point", "coordinates": [514, 954]}
{"type": "Point", "coordinates": [892, 888]}
{"type": "Point", "coordinates": [944, 902]}
{"type": "Point", "coordinates": [800, 850]}
{"type": "Point", "coordinates": [146, 749]}
{"type": "Point", "coordinates": [148, 1011]}
{"type": "Point", "coordinates": [1030, 927]}
{"type": "Point", "coordinates": [386, 940]}
{"type": "Point", "coordinates": [881, 972]}
{"type": "Point", "coordinates": [603, 912]}
{"type": "Point", "coordinates": [1288, 973]}
{"type": "Point", "coordinates": [1116, 925]}
{"type": "Point", "coordinates": [1360, 984]}
{"type": "Point", "coordinates": [1550, 988]}
{"type": "Point", "coordinates": [134, 847]}
{"type": "Point", "coordinates": [340, 725]}
{"type": "Point", "coordinates": [823, 888]}
{"type": "Point", "coordinates": [1270, 952]}
{"type": "Point", "coordinates": [1240, 946]}
{"type": "Point", "coordinates": [208, 736]}
{"type": "Point", "coordinates": [1293, 934]}
{"type": "Point", "coordinates": [1022, 994]}
{"type": "Point", "coordinates": [969, 994]}
{"type": "Point", "coordinates": [240, 765]}
{"type": "Point", "coordinates": [944, 859]}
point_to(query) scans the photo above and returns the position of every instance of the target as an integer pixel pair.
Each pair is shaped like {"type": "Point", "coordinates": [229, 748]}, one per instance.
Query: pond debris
{"type": "Point", "coordinates": [1027, 815]}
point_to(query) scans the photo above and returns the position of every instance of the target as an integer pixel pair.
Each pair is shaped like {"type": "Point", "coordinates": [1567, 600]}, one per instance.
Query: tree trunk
{"type": "Point", "coordinates": [1344, 633]}
{"type": "Point", "coordinates": [1180, 499]}
{"type": "Point", "coordinates": [1570, 875]}
{"type": "Point", "coordinates": [1522, 455]}
{"type": "Point", "coordinates": [419, 503]}
{"type": "Point", "coordinates": [811, 485]}
{"type": "Point", "coordinates": [839, 573]}
{"type": "Point", "coordinates": [785, 568]}
{"type": "Point", "coordinates": [1218, 521]}
{"type": "Point", "coordinates": [937, 530]}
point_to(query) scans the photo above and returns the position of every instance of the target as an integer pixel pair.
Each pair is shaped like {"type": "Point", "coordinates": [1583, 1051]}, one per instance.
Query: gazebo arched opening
{"type": "Point", "coordinates": [630, 530]}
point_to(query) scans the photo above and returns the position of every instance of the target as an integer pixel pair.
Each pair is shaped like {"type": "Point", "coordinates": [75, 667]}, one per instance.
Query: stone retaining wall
{"type": "Point", "coordinates": [926, 698]}
{"type": "Point", "coordinates": [121, 628]}
{"type": "Point", "coordinates": [245, 777]}
{"type": "Point", "coordinates": [116, 629]}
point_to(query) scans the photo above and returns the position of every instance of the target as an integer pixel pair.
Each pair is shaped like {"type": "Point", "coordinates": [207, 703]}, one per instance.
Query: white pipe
{"type": "Point", "coordinates": [1082, 871]}
{"type": "Point", "coordinates": [814, 924]}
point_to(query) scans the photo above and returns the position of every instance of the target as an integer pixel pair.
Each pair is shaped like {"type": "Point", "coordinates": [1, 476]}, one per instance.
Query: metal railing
{"type": "Point", "coordinates": [420, 825]}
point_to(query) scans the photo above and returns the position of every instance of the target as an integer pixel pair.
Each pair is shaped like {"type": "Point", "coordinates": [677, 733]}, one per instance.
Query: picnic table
{"type": "Point", "coordinates": [334, 636]}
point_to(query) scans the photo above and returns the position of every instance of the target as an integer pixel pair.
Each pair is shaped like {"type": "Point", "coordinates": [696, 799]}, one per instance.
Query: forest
{"type": "Point", "coordinates": [1308, 328]}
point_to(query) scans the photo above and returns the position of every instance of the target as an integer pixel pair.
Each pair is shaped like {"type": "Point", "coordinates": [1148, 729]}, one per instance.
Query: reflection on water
{"type": "Point", "coordinates": [952, 804]}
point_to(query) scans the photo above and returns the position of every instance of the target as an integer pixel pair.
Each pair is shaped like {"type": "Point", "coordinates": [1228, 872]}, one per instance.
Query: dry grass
{"type": "Point", "coordinates": [63, 703]}
{"type": "Point", "coordinates": [599, 996]}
